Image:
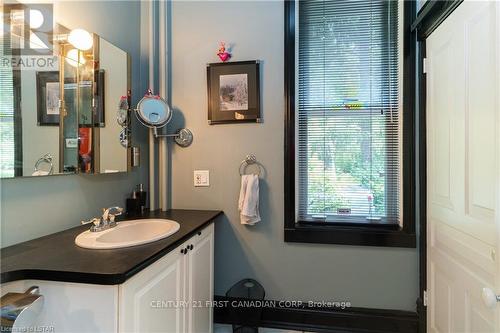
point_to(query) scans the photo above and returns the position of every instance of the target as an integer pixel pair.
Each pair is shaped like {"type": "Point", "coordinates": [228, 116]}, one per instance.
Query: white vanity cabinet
{"type": "Point", "coordinates": [199, 282]}
{"type": "Point", "coordinates": [171, 295]}
{"type": "Point", "coordinates": [143, 298]}
{"type": "Point", "coordinates": [168, 296]}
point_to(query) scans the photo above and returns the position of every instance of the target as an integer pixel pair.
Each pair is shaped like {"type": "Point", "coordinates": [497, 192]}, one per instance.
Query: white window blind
{"type": "Point", "coordinates": [348, 111]}
{"type": "Point", "coordinates": [7, 146]}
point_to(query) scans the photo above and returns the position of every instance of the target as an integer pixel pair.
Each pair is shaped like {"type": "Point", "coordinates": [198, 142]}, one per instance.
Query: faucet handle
{"type": "Point", "coordinates": [95, 220]}
{"type": "Point", "coordinates": [116, 212]}
{"type": "Point", "coordinates": [110, 213]}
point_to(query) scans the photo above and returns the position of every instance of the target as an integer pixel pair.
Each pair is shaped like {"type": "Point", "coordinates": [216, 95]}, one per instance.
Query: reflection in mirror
{"type": "Point", "coordinates": [30, 108]}
{"type": "Point", "coordinates": [62, 114]}
{"type": "Point", "coordinates": [153, 111]}
{"type": "Point", "coordinates": [77, 100]}
{"type": "Point", "coordinates": [83, 63]}
{"type": "Point", "coordinates": [112, 117]}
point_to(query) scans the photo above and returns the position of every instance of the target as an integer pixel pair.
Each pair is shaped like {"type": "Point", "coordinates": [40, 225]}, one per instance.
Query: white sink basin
{"type": "Point", "coordinates": [128, 233]}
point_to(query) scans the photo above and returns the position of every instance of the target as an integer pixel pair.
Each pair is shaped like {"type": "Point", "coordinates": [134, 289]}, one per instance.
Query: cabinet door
{"type": "Point", "coordinates": [200, 281]}
{"type": "Point", "coordinates": [149, 300]}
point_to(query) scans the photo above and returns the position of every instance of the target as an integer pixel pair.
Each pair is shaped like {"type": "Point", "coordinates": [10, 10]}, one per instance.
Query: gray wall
{"type": "Point", "coordinates": [34, 207]}
{"type": "Point", "coordinates": [366, 276]}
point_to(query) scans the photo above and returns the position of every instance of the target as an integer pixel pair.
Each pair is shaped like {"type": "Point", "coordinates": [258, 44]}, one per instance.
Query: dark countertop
{"type": "Point", "coordinates": [55, 257]}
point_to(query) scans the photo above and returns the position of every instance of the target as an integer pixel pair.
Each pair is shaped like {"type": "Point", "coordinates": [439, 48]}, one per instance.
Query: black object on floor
{"type": "Point", "coordinates": [252, 292]}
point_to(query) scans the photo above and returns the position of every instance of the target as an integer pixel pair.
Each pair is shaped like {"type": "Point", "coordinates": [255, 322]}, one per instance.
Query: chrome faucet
{"type": "Point", "coordinates": [106, 221]}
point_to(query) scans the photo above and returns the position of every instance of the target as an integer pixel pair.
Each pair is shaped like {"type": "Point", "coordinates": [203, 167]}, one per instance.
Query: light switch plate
{"type": "Point", "coordinates": [201, 178]}
{"type": "Point", "coordinates": [71, 142]}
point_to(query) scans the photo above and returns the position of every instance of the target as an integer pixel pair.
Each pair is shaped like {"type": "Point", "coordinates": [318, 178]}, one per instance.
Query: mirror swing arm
{"type": "Point", "coordinates": [183, 137]}
{"type": "Point", "coordinates": [154, 112]}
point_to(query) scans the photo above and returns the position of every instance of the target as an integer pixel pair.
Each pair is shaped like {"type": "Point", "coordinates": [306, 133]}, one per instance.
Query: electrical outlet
{"type": "Point", "coordinates": [201, 178]}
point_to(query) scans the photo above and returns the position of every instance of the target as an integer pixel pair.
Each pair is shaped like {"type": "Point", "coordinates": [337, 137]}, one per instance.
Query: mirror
{"type": "Point", "coordinates": [32, 100]}
{"type": "Point", "coordinates": [76, 68]}
{"type": "Point", "coordinates": [67, 111]}
{"type": "Point", "coordinates": [112, 122]}
{"type": "Point", "coordinates": [153, 111]}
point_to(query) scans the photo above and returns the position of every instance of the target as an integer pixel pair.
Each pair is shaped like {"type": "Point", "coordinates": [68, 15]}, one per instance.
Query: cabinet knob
{"type": "Point", "coordinates": [183, 251]}
{"type": "Point", "coordinates": [190, 247]}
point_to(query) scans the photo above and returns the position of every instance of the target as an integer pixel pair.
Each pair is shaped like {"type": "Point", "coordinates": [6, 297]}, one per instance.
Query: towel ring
{"type": "Point", "coordinates": [249, 160]}
{"type": "Point", "coordinates": [47, 158]}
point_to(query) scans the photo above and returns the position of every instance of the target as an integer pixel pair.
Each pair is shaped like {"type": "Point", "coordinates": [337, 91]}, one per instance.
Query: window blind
{"type": "Point", "coordinates": [348, 111]}
{"type": "Point", "coordinates": [7, 146]}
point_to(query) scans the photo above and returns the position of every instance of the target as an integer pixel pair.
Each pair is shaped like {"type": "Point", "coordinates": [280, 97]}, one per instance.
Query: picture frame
{"type": "Point", "coordinates": [233, 90]}
{"type": "Point", "coordinates": [47, 96]}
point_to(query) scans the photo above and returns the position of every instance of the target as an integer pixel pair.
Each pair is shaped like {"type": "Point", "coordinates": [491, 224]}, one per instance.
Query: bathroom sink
{"type": "Point", "coordinates": [128, 233]}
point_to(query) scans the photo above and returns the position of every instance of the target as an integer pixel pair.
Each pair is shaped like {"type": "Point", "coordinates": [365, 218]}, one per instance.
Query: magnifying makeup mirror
{"type": "Point", "coordinates": [154, 112]}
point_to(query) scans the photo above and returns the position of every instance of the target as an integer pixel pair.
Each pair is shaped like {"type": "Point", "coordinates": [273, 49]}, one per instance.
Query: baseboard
{"type": "Point", "coordinates": [313, 319]}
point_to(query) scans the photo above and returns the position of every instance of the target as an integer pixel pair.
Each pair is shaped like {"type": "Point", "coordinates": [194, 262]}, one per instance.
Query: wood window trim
{"type": "Point", "coordinates": [359, 234]}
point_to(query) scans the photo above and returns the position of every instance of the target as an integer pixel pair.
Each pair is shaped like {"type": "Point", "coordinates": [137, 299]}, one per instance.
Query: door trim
{"type": "Point", "coordinates": [422, 178]}
{"type": "Point", "coordinates": [432, 14]}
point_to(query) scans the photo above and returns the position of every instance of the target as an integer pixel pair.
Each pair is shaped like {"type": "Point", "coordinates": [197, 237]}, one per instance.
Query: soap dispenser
{"type": "Point", "coordinates": [132, 205]}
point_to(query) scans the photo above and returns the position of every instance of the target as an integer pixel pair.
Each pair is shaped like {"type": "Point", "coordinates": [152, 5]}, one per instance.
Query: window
{"type": "Point", "coordinates": [345, 131]}
{"type": "Point", "coordinates": [7, 124]}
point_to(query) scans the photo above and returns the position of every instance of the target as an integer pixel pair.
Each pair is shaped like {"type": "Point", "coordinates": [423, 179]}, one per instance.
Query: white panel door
{"type": "Point", "coordinates": [148, 299]}
{"type": "Point", "coordinates": [200, 281]}
{"type": "Point", "coordinates": [463, 169]}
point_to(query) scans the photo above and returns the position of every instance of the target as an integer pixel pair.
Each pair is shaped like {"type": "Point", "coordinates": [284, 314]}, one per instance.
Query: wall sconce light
{"type": "Point", "coordinates": [75, 58]}
{"type": "Point", "coordinates": [81, 39]}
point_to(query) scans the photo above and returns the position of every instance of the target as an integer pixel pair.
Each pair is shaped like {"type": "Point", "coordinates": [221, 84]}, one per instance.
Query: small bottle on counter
{"type": "Point", "coordinates": [141, 196]}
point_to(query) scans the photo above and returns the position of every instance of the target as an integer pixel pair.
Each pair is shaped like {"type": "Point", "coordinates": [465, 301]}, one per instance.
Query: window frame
{"type": "Point", "coordinates": [358, 233]}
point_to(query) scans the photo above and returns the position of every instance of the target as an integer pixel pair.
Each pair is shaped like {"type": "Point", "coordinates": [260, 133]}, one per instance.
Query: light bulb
{"type": "Point", "coordinates": [80, 39]}
{"type": "Point", "coordinates": [75, 58]}
{"type": "Point", "coordinates": [36, 19]}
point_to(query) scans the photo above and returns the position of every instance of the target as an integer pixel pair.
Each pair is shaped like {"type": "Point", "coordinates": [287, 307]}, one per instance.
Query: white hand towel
{"type": "Point", "coordinates": [248, 203]}
{"type": "Point", "coordinates": [40, 173]}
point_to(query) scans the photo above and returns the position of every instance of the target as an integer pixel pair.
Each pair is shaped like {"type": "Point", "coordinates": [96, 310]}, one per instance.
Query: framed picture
{"type": "Point", "coordinates": [233, 92]}
{"type": "Point", "coordinates": [47, 96]}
